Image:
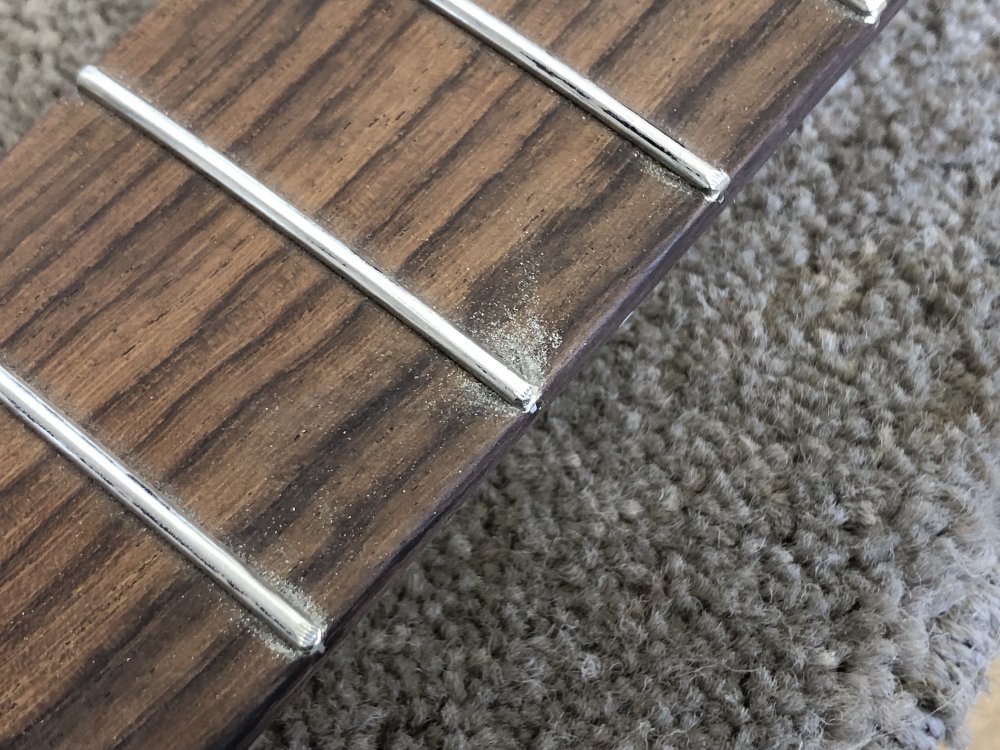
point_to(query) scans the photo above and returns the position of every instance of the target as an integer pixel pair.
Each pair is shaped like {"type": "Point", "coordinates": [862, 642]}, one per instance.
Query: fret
{"type": "Point", "coordinates": [397, 299]}
{"type": "Point", "coordinates": [587, 95]}
{"type": "Point", "coordinates": [309, 430]}
{"type": "Point", "coordinates": [287, 619]}
{"type": "Point", "coordinates": [92, 602]}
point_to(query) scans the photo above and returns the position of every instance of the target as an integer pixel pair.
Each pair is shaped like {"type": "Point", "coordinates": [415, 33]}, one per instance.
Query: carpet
{"type": "Point", "coordinates": [766, 514]}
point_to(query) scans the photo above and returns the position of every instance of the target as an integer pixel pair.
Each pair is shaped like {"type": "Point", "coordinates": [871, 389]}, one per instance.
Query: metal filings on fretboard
{"type": "Point", "coordinates": [588, 95]}
{"type": "Point", "coordinates": [288, 620]}
{"type": "Point", "coordinates": [285, 217]}
{"type": "Point", "coordinates": [285, 618]}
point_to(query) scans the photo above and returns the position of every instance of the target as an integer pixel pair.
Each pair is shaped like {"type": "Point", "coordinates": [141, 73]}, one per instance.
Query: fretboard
{"type": "Point", "coordinates": [294, 417]}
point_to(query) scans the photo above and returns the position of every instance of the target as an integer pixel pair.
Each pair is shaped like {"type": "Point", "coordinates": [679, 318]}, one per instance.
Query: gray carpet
{"type": "Point", "coordinates": [766, 515]}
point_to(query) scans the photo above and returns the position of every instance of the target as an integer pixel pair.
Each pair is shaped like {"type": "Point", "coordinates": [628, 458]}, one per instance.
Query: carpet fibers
{"type": "Point", "coordinates": [766, 516]}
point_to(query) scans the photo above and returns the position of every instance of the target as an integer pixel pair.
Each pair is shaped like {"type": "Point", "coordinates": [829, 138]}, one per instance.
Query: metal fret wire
{"type": "Point", "coordinates": [331, 251]}
{"type": "Point", "coordinates": [290, 622]}
{"type": "Point", "coordinates": [586, 94]}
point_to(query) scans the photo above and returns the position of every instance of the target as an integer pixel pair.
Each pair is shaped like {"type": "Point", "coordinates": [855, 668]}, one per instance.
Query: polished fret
{"type": "Point", "coordinates": [288, 620]}
{"type": "Point", "coordinates": [285, 217]}
{"type": "Point", "coordinates": [586, 94]}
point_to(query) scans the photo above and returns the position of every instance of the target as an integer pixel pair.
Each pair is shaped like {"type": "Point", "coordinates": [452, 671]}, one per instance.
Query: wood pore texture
{"type": "Point", "coordinates": [295, 419]}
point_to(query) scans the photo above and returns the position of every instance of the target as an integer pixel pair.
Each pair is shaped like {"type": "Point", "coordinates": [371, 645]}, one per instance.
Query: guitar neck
{"type": "Point", "coordinates": [295, 418]}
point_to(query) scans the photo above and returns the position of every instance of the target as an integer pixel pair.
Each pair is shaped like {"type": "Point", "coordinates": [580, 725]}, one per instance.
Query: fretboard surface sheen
{"type": "Point", "coordinates": [294, 418]}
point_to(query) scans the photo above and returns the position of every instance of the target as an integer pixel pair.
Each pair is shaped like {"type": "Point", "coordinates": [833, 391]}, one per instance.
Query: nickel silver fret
{"type": "Point", "coordinates": [287, 619]}
{"type": "Point", "coordinates": [331, 251]}
{"type": "Point", "coordinates": [586, 94]}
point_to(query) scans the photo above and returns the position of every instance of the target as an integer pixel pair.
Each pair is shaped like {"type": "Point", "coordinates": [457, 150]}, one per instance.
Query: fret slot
{"type": "Point", "coordinates": [398, 300]}
{"type": "Point", "coordinates": [588, 95]}
{"type": "Point", "coordinates": [284, 617]}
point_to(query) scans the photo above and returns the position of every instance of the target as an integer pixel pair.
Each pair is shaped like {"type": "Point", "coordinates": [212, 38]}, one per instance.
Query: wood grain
{"type": "Point", "coordinates": [294, 418]}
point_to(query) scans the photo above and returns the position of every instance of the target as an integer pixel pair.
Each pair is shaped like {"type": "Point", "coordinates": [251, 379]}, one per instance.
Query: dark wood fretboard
{"type": "Point", "coordinates": [291, 415]}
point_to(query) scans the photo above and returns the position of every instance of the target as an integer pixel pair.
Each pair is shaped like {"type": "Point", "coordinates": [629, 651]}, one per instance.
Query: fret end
{"type": "Point", "coordinates": [527, 400]}
{"type": "Point", "coordinates": [717, 182]}
{"type": "Point", "coordinates": [871, 10]}
{"type": "Point", "coordinates": [87, 75]}
{"type": "Point", "coordinates": [89, 78]}
{"type": "Point", "coordinates": [311, 641]}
